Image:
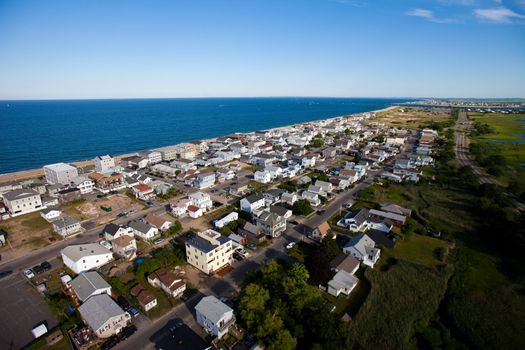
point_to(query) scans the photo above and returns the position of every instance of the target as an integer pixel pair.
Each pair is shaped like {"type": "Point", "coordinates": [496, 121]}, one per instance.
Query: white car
{"type": "Point", "coordinates": [242, 252]}
{"type": "Point", "coordinates": [290, 245]}
{"type": "Point", "coordinates": [29, 273]}
{"type": "Point", "coordinates": [106, 244]}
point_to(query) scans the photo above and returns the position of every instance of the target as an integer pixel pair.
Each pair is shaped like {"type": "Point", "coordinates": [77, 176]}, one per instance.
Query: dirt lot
{"type": "Point", "coordinates": [411, 117]}
{"type": "Point", "coordinates": [26, 233]}
{"type": "Point", "coordinates": [92, 211]}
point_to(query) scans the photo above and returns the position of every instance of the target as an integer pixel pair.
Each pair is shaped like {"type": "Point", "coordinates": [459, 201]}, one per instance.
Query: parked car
{"type": "Point", "coordinates": [237, 256]}
{"type": "Point", "coordinates": [150, 204]}
{"type": "Point", "coordinates": [158, 241]}
{"type": "Point", "coordinates": [110, 343]}
{"type": "Point", "coordinates": [5, 273]}
{"type": "Point", "coordinates": [176, 325]}
{"type": "Point", "coordinates": [106, 244]}
{"type": "Point", "coordinates": [290, 245]}
{"type": "Point", "coordinates": [46, 265]}
{"type": "Point", "coordinates": [294, 222]}
{"type": "Point", "coordinates": [242, 252]}
{"type": "Point", "coordinates": [251, 246]}
{"type": "Point", "coordinates": [29, 273]}
{"type": "Point", "coordinates": [127, 332]}
{"type": "Point", "coordinates": [133, 311]}
{"type": "Point", "coordinates": [123, 302]}
{"type": "Point", "coordinates": [37, 269]}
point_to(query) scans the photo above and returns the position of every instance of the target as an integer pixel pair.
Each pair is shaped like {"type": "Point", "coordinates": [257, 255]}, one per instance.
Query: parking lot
{"type": "Point", "coordinates": [22, 308]}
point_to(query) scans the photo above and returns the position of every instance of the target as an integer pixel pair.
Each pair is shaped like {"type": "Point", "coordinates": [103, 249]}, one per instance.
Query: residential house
{"type": "Point", "coordinates": [253, 233]}
{"type": "Point", "coordinates": [214, 316]}
{"type": "Point", "coordinates": [273, 195]}
{"type": "Point", "coordinates": [317, 233]}
{"type": "Point", "coordinates": [289, 198]}
{"type": "Point", "coordinates": [252, 203]}
{"type": "Point", "coordinates": [145, 297]}
{"type": "Point", "coordinates": [349, 174]}
{"type": "Point", "coordinates": [356, 221]}
{"type": "Point", "coordinates": [195, 212]}
{"type": "Point", "coordinates": [135, 162]}
{"type": "Point", "coordinates": [342, 282]}
{"type": "Point", "coordinates": [345, 262]}
{"type": "Point", "coordinates": [317, 190]}
{"type": "Point", "coordinates": [225, 175]}
{"type": "Point", "coordinates": [169, 281]}
{"type": "Point", "coordinates": [143, 230]}
{"type": "Point", "coordinates": [125, 247]}
{"type": "Point", "coordinates": [112, 231]}
{"type": "Point", "coordinates": [397, 219]}
{"type": "Point", "coordinates": [88, 284]}
{"type": "Point", "coordinates": [226, 220]}
{"type": "Point", "coordinates": [272, 224]}
{"type": "Point", "coordinates": [104, 164]}
{"type": "Point", "coordinates": [67, 225]}
{"type": "Point", "coordinates": [209, 251]}
{"type": "Point", "coordinates": [153, 157]}
{"type": "Point", "coordinates": [22, 201]}
{"type": "Point", "coordinates": [281, 211]}
{"type": "Point", "coordinates": [156, 221]}
{"type": "Point", "coordinates": [107, 183]}
{"type": "Point", "coordinates": [51, 215]}
{"type": "Point", "coordinates": [9, 186]}
{"type": "Point", "coordinates": [311, 197]}
{"type": "Point", "coordinates": [363, 249]}
{"type": "Point", "coordinates": [238, 189]}
{"type": "Point", "coordinates": [84, 184]}
{"type": "Point", "coordinates": [327, 187]}
{"type": "Point", "coordinates": [205, 180]}
{"type": "Point", "coordinates": [85, 257]}
{"type": "Point", "coordinates": [69, 195]}
{"type": "Point", "coordinates": [396, 209]}
{"type": "Point", "coordinates": [60, 173]}
{"type": "Point", "coordinates": [164, 169]}
{"type": "Point", "coordinates": [381, 238]}
{"type": "Point", "coordinates": [201, 200]}
{"type": "Point", "coordinates": [143, 192]}
{"type": "Point", "coordinates": [103, 316]}
{"type": "Point", "coordinates": [263, 177]}
{"type": "Point", "coordinates": [180, 208]}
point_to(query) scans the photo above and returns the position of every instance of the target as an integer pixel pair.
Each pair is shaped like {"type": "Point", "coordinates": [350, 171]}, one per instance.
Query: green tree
{"type": "Point", "coordinates": [283, 341]}
{"type": "Point", "coordinates": [253, 305]}
{"type": "Point", "coordinates": [302, 207]}
{"type": "Point", "coordinates": [330, 247]}
{"type": "Point", "coordinates": [317, 143]}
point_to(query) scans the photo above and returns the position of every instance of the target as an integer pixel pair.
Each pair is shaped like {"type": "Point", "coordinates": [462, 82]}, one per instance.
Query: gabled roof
{"type": "Point", "coordinates": [77, 252]}
{"type": "Point", "coordinates": [379, 237]}
{"type": "Point", "coordinates": [212, 308]}
{"type": "Point", "coordinates": [143, 295]}
{"type": "Point", "coordinates": [254, 198]}
{"type": "Point", "coordinates": [344, 262]}
{"type": "Point", "coordinates": [88, 283]}
{"type": "Point", "coordinates": [19, 194]}
{"type": "Point", "coordinates": [140, 226]}
{"type": "Point", "coordinates": [155, 220]}
{"type": "Point", "coordinates": [111, 229]}
{"type": "Point", "coordinates": [98, 309]}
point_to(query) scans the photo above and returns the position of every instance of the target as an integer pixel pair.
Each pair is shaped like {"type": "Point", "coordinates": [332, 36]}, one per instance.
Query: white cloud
{"type": "Point", "coordinates": [497, 15]}
{"type": "Point", "coordinates": [429, 16]}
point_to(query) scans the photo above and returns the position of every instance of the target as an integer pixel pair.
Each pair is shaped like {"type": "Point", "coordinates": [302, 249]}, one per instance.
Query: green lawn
{"type": "Point", "coordinates": [417, 249]}
{"type": "Point", "coordinates": [505, 125]}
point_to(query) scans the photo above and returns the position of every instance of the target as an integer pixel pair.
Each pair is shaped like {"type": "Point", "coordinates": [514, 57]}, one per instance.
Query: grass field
{"type": "Point", "coordinates": [411, 117]}
{"type": "Point", "coordinates": [506, 126]}
{"type": "Point", "coordinates": [417, 249]}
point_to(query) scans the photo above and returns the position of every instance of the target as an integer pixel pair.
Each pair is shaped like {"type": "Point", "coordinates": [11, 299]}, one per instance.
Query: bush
{"type": "Point", "coordinates": [302, 207]}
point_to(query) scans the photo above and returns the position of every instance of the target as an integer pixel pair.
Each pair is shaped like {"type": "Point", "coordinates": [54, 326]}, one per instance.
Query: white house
{"type": "Point", "coordinates": [214, 316]}
{"type": "Point", "coordinates": [226, 220]}
{"type": "Point", "coordinates": [85, 257]}
{"type": "Point", "coordinates": [363, 248]}
{"type": "Point", "coordinates": [158, 222]}
{"type": "Point", "coordinates": [195, 212]}
{"type": "Point", "coordinates": [104, 164]}
{"type": "Point", "coordinates": [356, 221]}
{"type": "Point", "coordinates": [274, 171]}
{"type": "Point", "coordinates": [125, 247]}
{"type": "Point", "coordinates": [67, 225]}
{"type": "Point", "coordinates": [143, 192]}
{"type": "Point", "coordinates": [253, 202]}
{"type": "Point", "coordinates": [325, 186]}
{"type": "Point", "coordinates": [180, 208]}
{"type": "Point", "coordinates": [263, 177]}
{"type": "Point", "coordinates": [209, 251]}
{"type": "Point", "coordinates": [342, 282]}
{"type": "Point", "coordinates": [112, 231]}
{"type": "Point", "coordinates": [143, 230]}
{"type": "Point", "coordinates": [51, 215]}
{"type": "Point", "coordinates": [201, 200]}
{"type": "Point", "coordinates": [289, 198]}
{"type": "Point", "coordinates": [60, 173]}
{"type": "Point", "coordinates": [205, 180]}
{"type": "Point", "coordinates": [168, 281]}
{"type": "Point", "coordinates": [22, 201]}
{"type": "Point", "coordinates": [311, 197]}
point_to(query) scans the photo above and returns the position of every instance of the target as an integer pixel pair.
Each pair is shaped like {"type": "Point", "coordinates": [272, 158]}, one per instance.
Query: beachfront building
{"type": "Point", "coordinates": [104, 164]}
{"type": "Point", "coordinates": [60, 173]}
{"type": "Point", "coordinates": [84, 184]}
{"type": "Point", "coordinates": [209, 251]}
{"type": "Point", "coordinates": [22, 201]}
{"type": "Point", "coordinates": [153, 157]}
{"type": "Point", "coordinates": [107, 183]}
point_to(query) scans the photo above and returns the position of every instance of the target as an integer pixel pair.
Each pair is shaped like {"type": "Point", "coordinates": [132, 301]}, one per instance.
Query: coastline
{"type": "Point", "coordinates": [35, 173]}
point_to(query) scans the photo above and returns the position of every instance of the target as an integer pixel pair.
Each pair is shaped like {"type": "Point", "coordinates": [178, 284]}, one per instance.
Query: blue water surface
{"type": "Point", "coordinates": [36, 133]}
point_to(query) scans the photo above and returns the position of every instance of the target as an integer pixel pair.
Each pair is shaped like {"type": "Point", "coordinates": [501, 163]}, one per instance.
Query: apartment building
{"type": "Point", "coordinates": [104, 164]}
{"type": "Point", "coordinates": [22, 201]}
{"type": "Point", "coordinates": [209, 251]}
{"type": "Point", "coordinates": [60, 173]}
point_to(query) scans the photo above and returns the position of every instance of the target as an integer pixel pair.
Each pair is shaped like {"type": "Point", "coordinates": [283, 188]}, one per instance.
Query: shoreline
{"type": "Point", "coordinates": [38, 172]}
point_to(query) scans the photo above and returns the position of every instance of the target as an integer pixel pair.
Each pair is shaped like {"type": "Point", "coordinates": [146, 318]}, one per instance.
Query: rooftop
{"type": "Point", "coordinates": [98, 309]}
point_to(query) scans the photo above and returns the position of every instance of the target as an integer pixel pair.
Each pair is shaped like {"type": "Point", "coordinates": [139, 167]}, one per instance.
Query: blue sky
{"type": "Point", "coordinates": [207, 48]}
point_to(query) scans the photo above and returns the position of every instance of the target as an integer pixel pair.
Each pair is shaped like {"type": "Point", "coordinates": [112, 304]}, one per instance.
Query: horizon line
{"type": "Point", "coordinates": [248, 97]}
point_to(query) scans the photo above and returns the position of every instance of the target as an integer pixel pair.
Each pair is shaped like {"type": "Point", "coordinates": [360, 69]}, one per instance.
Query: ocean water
{"type": "Point", "coordinates": [36, 133]}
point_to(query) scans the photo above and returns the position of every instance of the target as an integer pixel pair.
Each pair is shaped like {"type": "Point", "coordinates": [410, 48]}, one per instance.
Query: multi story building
{"type": "Point", "coordinates": [67, 225]}
{"type": "Point", "coordinates": [214, 316]}
{"type": "Point", "coordinates": [85, 257]}
{"type": "Point", "coordinates": [205, 180]}
{"type": "Point", "coordinates": [22, 201]}
{"type": "Point", "coordinates": [84, 184]}
{"type": "Point", "coordinates": [104, 164]}
{"type": "Point", "coordinates": [272, 224]}
{"type": "Point", "coordinates": [209, 251]}
{"type": "Point", "coordinates": [107, 183]}
{"type": "Point", "coordinates": [60, 173]}
{"type": "Point", "coordinates": [201, 200]}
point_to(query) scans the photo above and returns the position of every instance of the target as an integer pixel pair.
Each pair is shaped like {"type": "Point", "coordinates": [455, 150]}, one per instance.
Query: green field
{"type": "Point", "coordinates": [504, 125]}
